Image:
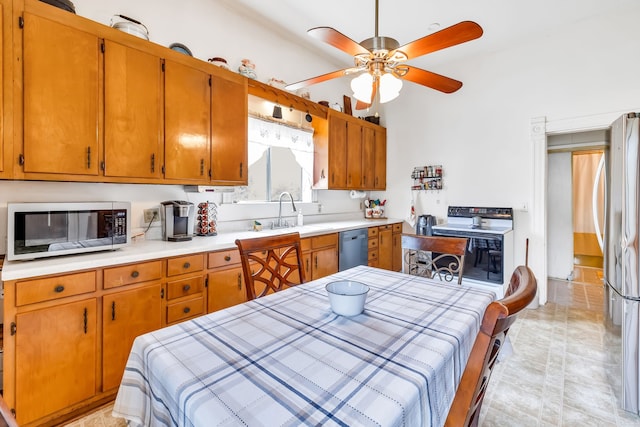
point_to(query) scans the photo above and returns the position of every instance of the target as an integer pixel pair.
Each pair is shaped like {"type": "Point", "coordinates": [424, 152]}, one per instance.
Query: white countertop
{"type": "Point", "coordinates": [152, 249]}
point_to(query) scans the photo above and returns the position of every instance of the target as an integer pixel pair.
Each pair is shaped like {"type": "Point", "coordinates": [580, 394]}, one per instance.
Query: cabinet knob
{"type": "Point", "coordinates": [135, 274]}
{"type": "Point", "coordinates": [186, 265]}
{"type": "Point", "coordinates": [227, 258]}
{"type": "Point", "coordinates": [59, 289]}
{"type": "Point", "coordinates": [186, 288]}
{"type": "Point", "coordinates": [186, 310]}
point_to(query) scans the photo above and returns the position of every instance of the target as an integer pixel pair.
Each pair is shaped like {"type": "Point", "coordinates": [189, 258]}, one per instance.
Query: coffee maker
{"type": "Point", "coordinates": [425, 224]}
{"type": "Point", "coordinates": [178, 220]}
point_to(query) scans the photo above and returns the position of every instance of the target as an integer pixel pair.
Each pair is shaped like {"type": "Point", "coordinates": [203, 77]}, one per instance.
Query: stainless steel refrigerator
{"type": "Point", "coordinates": [621, 260]}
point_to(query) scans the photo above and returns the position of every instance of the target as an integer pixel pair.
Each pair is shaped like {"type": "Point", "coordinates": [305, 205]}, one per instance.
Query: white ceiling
{"type": "Point", "coordinates": [506, 23]}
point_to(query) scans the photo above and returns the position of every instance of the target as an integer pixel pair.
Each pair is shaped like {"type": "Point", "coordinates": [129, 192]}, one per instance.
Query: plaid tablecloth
{"type": "Point", "coordinates": [288, 360]}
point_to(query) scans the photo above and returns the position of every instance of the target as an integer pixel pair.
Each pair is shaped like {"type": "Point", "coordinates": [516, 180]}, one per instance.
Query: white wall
{"type": "Point", "coordinates": [481, 134]}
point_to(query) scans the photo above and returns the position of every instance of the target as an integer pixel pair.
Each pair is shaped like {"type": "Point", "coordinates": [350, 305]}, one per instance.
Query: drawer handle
{"type": "Point", "coordinates": [59, 289]}
{"type": "Point", "coordinates": [186, 310]}
{"type": "Point", "coordinates": [186, 288]}
{"type": "Point", "coordinates": [134, 274]}
{"type": "Point", "coordinates": [186, 265]}
{"type": "Point", "coordinates": [227, 258]}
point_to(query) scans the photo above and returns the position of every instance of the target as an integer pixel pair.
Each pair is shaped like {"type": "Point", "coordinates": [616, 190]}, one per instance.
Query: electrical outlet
{"type": "Point", "coordinates": [151, 215]}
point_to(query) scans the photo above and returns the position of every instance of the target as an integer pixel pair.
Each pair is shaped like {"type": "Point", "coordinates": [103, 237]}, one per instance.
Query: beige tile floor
{"type": "Point", "coordinates": [556, 375]}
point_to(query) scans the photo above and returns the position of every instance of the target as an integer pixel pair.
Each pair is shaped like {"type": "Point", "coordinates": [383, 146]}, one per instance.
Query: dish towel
{"type": "Point", "coordinates": [411, 219]}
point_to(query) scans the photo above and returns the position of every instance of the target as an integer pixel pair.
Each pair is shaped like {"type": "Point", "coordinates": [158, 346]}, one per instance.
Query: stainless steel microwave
{"type": "Point", "coordinates": [38, 230]}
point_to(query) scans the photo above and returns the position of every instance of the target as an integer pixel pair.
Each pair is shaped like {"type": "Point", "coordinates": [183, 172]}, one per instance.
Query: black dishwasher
{"type": "Point", "coordinates": [354, 246]}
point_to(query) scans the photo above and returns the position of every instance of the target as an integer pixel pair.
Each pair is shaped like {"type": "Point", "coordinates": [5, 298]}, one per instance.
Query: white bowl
{"type": "Point", "coordinates": [347, 297]}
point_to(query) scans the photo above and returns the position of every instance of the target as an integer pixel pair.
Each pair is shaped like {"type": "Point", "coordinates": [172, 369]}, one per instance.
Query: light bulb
{"type": "Point", "coordinates": [390, 87]}
{"type": "Point", "coordinates": [362, 87]}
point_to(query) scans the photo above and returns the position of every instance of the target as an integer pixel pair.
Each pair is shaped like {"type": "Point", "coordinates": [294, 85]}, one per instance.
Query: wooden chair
{"type": "Point", "coordinates": [434, 256]}
{"type": "Point", "coordinates": [271, 264]}
{"type": "Point", "coordinates": [497, 319]}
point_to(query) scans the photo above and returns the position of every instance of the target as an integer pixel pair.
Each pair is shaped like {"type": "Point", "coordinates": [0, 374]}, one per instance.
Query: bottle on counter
{"type": "Point", "coordinates": [300, 218]}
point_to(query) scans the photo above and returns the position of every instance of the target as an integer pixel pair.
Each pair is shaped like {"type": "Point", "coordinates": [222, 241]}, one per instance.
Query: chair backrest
{"type": "Point", "coordinates": [497, 319]}
{"type": "Point", "coordinates": [434, 256]}
{"type": "Point", "coordinates": [271, 264]}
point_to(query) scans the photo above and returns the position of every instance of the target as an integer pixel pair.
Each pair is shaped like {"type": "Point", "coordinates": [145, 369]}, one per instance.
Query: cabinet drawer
{"type": "Point", "coordinates": [223, 258]}
{"type": "Point", "coordinates": [134, 273]}
{"type": "Point", "coordinates": [373, 255]}
{"type": "Point", "coordinates": [185, 310]}
{"type": "Point", "coordinates": [384, 227]}
{"type": "Point", "coordinates": [32, 291]}
{"type": "Point", "coordinates": [373, 232]}
{"type": "Point", "coordinates": [397, 227]}
{"type": "Point", "coordinates": [182, 288]}
{"type": "Point", "coordinates": [373, 243]}
{"type": "Point", "coordinates": [185, 264]}
{"type": "Point", "coordinates": [324, 240]}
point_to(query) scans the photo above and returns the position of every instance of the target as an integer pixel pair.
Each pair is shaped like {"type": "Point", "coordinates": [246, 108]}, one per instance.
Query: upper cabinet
{"type": "Point", "coordinates": [97, 104]}
{"type": "Point", "coordinates": [187, 118]}
{"type": "Point", "coordinates": [6, 84]}
{"type": "Point", "coordinates": [229, 117]}
{"type": "Point", "coordinates": [355, 157]}
{"type": "Point", "coordinates": [60, 70]}
{"type": "Point", "coordinates": [133, 112]}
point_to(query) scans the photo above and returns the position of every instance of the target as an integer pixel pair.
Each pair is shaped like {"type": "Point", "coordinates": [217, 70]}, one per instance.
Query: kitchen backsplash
{"type": "Point", "coordinates": [329, 205]}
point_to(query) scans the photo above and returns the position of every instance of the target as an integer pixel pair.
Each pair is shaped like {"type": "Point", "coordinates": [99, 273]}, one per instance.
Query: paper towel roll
{"type": "Point", "coordinates": [358, 194]}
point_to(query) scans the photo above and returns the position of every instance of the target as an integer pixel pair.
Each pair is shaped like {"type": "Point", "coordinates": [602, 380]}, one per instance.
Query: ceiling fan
{"type": "Point", "coordinates": [383, 59]}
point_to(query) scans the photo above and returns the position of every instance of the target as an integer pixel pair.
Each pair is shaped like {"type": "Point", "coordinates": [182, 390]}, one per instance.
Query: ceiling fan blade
{"type": "Point", "coordinates": [337, 39]}
{"type": "Point", "coordinates": [459, 33]}
{"type": "Point", "coordinates": [432, 80]}
{"type": "Point", "coordinates": [317, 79]}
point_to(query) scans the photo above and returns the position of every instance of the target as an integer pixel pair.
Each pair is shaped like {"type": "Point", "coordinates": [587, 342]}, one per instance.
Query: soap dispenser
{"type": "Point", "coordinates": [300, 219]}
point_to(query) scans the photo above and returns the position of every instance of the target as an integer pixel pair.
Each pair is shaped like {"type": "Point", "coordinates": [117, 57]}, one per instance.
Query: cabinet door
{"type": "Point", "coordinates": [385, 249]}
{"type": "Point", "coordinates": [132, 112]}
{"type": "Point", "coordinates": [324, 262]}
{"type": "Point", "coordinates": [368, 158]}
{"type": "Point", "coordinates": [337, 152]}
{"type": "Point", "coordinates": [55, 358]}
{"type": "Point", "coordinates": [187, 123]}
{"type": "Point", "coordinates": [354, 155]}
{"type": "Point", "coordinates": [397, 252]}
{"type": "Point", "coordinates": [61, 98]}
{"type": "Point", "coordinates": [226, 288]}
{"type": "Point", "coordinates": [380, 168]}
{"type": "Point", "coordinates": [306, 264]}
{"type": "Point", "coordinates": [229, 121]}
{"type": "Point", "coordinates": [125, 315]}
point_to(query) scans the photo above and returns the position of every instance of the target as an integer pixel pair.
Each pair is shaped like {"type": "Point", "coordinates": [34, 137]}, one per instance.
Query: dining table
{"type": "Point", "coordinates": [287, 360]}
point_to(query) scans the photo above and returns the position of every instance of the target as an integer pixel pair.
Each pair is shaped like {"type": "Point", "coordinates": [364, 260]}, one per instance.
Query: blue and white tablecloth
{"type": "Point", "coordinates": [287, 360]}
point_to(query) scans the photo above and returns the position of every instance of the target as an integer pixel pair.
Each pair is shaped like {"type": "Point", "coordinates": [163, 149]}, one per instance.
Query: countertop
{"type": "Point", "coordinates": [152, 249]}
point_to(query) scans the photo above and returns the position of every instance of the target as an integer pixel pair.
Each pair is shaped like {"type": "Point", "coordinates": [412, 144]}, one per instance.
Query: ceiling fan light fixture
{"type": "Point", "coordinates": [362, 87]}
{"type": "Point", "coordinates": [390, 87]}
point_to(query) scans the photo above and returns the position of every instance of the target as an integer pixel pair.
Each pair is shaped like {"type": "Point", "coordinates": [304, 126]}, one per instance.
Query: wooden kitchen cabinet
{"type": "Point", "coordinates": [354, 155]}
{"type": "Point", "coordinates": [187, 120]}
{"type": "Point", "coordinates": [319, 255]}
{"type": "Point", "coordinates": [125, 315]}
{"type": "Point", "coordinates": [397, 247]}
{"type": "Point", "coordinates": [133, 116]}
{"type": "Point", "coordinates": [6, 89]}
{"type": "Point", "coordinates": [337, 161]}
{"type": "Point", "coordinates": [186, 294]}
{"type": "Point", "coordinates": [225, 283]}
{"type": "Point", "coordinates": [55, 358]}
{"type": "Point", "coordinates": [380, 159]}
{"type": "Point", "coordinates": [61, 98]}
{"type": "Point", "coordinates": [385, 247]}
{"type": "Point", "coordinates": [229, 129]}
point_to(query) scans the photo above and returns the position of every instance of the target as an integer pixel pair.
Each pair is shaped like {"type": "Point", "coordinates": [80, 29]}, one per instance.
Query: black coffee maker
{"type": "Point", "coordinates": [425, 224]}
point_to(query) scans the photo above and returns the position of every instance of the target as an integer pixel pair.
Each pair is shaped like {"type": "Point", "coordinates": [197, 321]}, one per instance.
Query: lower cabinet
{"type": "Point", "coordinates": [320, 256]}
{"type": "Point", "coordinates": [385, 247]}
{"type": "Point", "coordinates": [55, 358]}
{"type": "Point", "coordinates": [126, 315]}
{"type": "Point", "coordinates": [225, 283]}
{"type": "Point", "coordinates": [397, 247]}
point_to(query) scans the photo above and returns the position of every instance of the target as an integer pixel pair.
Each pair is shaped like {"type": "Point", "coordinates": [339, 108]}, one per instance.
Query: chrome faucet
{"type": "Point", "coordinates": [278, 223]}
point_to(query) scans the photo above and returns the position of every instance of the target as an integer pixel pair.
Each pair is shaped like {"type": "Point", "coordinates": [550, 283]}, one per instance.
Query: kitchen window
{"type": "Point", "coordinates": [280, 159]}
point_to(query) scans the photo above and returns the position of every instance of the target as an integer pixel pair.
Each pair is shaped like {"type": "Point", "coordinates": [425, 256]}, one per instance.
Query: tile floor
{"type": "Point", "coordinates": [556, 376]}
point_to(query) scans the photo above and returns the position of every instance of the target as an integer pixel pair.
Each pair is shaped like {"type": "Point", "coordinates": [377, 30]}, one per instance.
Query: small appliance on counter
{"type": "Point", "coordinates": [178, 220]}
{"type": "Point", "coordinates": [424, 225]}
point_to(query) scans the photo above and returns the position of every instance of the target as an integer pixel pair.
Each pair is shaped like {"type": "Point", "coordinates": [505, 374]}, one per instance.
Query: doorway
{"type": "Point", "coordinates": [576, 206]}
